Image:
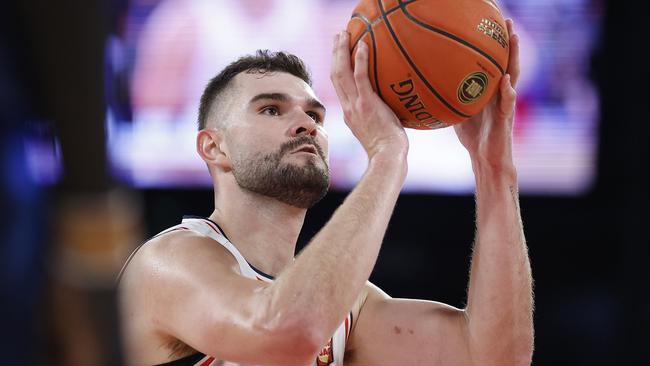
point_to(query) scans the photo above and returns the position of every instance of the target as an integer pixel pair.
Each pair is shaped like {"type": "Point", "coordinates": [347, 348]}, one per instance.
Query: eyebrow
{"type": "Point", "coordinates": [282, 97]}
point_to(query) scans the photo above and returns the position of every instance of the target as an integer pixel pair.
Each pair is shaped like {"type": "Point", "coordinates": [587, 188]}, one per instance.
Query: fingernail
{"type": "Point", "coordinates": [343, 34]}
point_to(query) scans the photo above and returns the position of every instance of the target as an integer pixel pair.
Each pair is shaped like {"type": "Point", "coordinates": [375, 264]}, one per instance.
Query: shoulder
{"type": "Point", "coordinates": [183, 243]}
{"type": "Point", "coordinates": [172, 254]}
{"type": "Point", "coordinates": [163, 279]}
{"type": "Point", "coordinates": [371, 293]}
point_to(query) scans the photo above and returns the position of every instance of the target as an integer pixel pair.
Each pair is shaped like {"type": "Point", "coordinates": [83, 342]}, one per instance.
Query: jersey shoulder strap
{"type": "Point", "coordinates": [211, 229]}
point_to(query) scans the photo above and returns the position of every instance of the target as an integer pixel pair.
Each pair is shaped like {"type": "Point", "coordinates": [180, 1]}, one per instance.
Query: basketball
{"type": "Point", "coordinates": [434, 62]}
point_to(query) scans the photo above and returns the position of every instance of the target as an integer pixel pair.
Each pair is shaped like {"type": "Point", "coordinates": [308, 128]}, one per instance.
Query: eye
{"type": "Point", "coordinates": [315, 116]}
{"type": "Point", "coordinates": [271, 111]}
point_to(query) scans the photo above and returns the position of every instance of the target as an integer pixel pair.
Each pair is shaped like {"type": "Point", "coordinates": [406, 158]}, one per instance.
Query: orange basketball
{"type": "Point", "coordinates": [434, 62]}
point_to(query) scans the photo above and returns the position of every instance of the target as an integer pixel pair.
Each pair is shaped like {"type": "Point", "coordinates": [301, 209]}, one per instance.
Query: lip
{"type": "Point", "coordinates": [311, 149]}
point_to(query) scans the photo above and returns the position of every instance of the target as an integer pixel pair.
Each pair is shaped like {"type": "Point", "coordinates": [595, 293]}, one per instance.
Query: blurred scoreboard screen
{"type": "Point", "coordinates": [166, 51]}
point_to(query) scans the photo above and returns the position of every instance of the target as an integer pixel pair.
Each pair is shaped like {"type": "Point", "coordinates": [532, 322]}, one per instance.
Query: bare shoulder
{"type": "Point", "coordinates": [369, 293]}
{"type": "Point", "coordinates": [162, 256]}
{"type": "Point", "coordinates": [161, 274]}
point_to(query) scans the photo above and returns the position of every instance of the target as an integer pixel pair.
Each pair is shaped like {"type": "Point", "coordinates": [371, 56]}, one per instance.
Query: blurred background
{"type": "Point", "coordinates": [98, 104]}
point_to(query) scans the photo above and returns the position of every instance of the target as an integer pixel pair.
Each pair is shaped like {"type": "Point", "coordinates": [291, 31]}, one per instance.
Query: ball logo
{"type": "Point", "coordinates": [472, 87]}
{"type": "Point", "coordinates": [493, 30]}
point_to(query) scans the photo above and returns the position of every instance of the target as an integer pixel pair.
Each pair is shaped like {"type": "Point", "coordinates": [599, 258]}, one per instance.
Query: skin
{"type": "Point", "coordinates": [496, 327]}
{"type": "Point", "coordinates": [183, 289]}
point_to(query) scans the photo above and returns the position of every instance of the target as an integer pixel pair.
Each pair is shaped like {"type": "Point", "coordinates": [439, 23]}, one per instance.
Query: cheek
{"type": "Point", "coordinates": [256, 149]}
{"type": "Point", "coordinates": [245, 143]}
{"type": "Point", "coordinates": [323, 140]}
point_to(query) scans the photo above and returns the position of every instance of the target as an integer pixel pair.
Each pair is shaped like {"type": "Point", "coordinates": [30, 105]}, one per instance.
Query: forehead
{"type": "Point", "coordinates": [252, 84]}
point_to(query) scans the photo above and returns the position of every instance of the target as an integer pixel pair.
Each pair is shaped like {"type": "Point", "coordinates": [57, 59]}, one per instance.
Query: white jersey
{"type": "Point", "coordinates": [332, 352]}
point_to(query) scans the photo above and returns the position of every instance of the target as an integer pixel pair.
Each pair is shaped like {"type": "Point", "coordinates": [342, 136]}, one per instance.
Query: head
{"type": "Point", "coordinates": [261, 124]}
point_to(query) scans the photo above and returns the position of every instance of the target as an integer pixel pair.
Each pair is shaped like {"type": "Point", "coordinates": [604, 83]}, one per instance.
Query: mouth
{"type": "Point", "coordinates": [306, 148]}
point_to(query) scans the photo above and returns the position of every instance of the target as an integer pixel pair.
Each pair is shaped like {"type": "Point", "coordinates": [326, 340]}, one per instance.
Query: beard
{"type": "Point", "coordinates": [299, 186]}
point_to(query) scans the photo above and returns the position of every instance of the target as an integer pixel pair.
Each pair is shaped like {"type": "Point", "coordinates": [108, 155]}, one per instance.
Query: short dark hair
{"type": "Point", "coordinates": [263, 61]}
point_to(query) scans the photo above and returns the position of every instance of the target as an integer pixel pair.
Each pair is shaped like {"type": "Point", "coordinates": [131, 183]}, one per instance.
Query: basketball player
{"type": "Point", "coordinates": [227, 290]}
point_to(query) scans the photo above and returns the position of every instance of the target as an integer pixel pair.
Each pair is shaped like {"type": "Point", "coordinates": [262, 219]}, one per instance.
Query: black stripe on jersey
{"type": "Point", "coordinates": [260, 272]}
{"type": "Point", "coordinates": [225, 236]}
{"type": "Point", "coordinates": [220, 229]}
{"type": "Point", "coordinates": [207, 219]}
{"type": "Point", "coordinates": [190, 360]}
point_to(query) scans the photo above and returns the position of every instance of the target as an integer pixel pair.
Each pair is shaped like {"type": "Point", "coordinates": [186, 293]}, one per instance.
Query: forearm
{"type": "Point", "coordinates": [500, 302]}
{"type": "Point", "coordinates": [327, 277]}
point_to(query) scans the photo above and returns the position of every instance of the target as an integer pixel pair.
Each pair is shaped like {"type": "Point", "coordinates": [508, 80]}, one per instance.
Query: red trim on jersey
{"type": "Point", "coordinates": [212, 226]}
{"type": "Point", "coordinates": [207, 362]}
{"type": "Point", "coordinates": [174, 229]}
{"type": "Point", "coordinates": [347, 320]}
{"type": "Point", "coordinates": [260, 278]}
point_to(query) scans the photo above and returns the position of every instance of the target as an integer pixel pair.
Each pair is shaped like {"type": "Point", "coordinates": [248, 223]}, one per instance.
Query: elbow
{"type": "Point", "coordinates": [524, 352]}
{"type": "Point", "coordinates": [523, 359]}
{"type": "Point", "coordinates": [302, 346]}
{"type": "Point", "coordinates": [260, 343]}
{"type": "Point", "coordinates": [511, 358]}
{"type": "Point", "coordinates": [524, 346]}
{"type": "Point", "coordinates": [512, 352]}
{"type": "Point", "coordinates": [259, 336]}
{"type": "Point", "coordinates": [297, 333]}
{"type": "Point", "coordinates": [294, 343]}
{"type": "Point", "coordinates": [520, 354]}
{"type": "Point", "coordinates": [294, 338]}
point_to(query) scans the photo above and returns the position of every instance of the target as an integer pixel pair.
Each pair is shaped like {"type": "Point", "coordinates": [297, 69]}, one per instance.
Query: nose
{"type": "Point", "coordinates": [304, 125]}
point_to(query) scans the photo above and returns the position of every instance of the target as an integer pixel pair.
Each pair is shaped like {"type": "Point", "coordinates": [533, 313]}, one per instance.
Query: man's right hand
{"type": "Point", "coordinates": [371, 120]}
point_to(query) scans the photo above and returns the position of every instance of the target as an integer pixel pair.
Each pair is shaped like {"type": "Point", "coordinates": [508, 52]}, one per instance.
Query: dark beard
{"type": "Point", "coordinates": [299, 186]}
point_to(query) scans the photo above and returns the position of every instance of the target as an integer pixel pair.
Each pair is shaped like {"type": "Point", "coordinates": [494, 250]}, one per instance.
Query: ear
{"type": "Point", "coordinates": [209, 145]}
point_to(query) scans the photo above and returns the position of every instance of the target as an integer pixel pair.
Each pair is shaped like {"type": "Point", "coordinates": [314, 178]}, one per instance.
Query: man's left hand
{"type": "Point", "coordinates": [487, 136]}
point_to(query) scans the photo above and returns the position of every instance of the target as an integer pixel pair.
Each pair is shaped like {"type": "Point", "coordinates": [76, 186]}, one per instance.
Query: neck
{"type": "Point", "coordinates": [263, 229]}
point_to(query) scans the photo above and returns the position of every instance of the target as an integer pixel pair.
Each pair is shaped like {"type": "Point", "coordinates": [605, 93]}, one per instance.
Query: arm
{"type": "Point", "coordinates": [496, 327]}
{"type": "Point", "coordinates": [500, 302]}
{"type": "Point", "coordinates": [328, 276]}
{"type": "Point", "coordinates": [407, 332]}
{"type": "Point", "coordinates": [197, 297]}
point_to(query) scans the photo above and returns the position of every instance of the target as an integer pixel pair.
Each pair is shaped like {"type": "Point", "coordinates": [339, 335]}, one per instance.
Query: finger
{"type": "Point", "coordinates": [508, 96]}
{"type": "Point", "coordinates": [342, 76]}
{"type": "Point", "coordinates": [345, 66]}
{"type": "Point", "coordinates": [513, 61]}
{"type": "Point", "coordinates": [334, 67]}
{"type": "Point", "coordinates": [334, 45]}
{"type": "Point", "coordinates": [361, 69]}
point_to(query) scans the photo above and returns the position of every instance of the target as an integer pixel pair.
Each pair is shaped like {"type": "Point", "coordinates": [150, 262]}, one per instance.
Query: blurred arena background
{"type": "Point", "coordinates": [98, 107]}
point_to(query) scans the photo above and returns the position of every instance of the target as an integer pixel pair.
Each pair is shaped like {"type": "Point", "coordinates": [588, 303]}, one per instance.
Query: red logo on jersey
{"type": "Point", "coordinates": [326, 356]}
